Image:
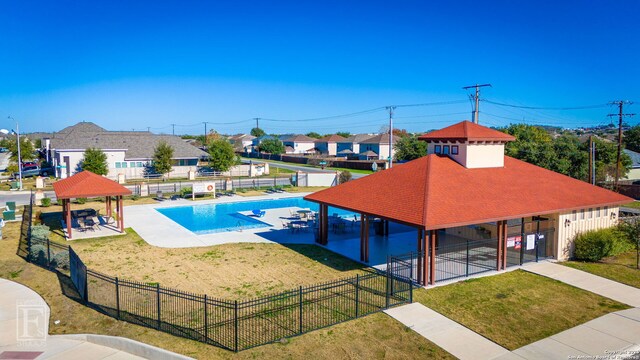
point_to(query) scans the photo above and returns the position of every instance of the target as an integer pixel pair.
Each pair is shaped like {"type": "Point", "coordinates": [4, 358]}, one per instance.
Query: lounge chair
{"type": "Point", "coordinates": [160, 196]}
{"type": "Point", "coordinates": [96, 222]}
{"type": "Point", "coordinates": [294, 214]}
{"type": "Point", "coordinates": [258, 212]}
{"type": "Point", "coordinates": [9, 215]}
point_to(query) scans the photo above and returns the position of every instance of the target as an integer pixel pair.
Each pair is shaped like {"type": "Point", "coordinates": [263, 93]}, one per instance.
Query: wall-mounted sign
{"type": "Point", "coordinates": [531, 242]}
{"type": "Point", "coordinates": [514, 241]}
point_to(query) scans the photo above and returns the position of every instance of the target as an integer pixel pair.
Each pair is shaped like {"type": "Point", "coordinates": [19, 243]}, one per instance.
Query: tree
{"type": "Point", "coordinates": [222, 156]}
{"type": "Point", "coordinates": [271, 146]}
{"type": "Point", "coordinates": [344, 176]}
{"type": "Point", "coordinates": [257, 132]}
{"type": "Point", "coordinates": [632, 138]}
{"type": "Point", "coordinates": [409, 148]}
{"type": "Point", "coordinates": [162, 158]}
{"type": "Point", "coordinates": [26, 149]}
{"type": "Point", "coordinates": [212, 136]}
{"type": "Point", "coordinates": [95, 161]}
{"type": "Point", "coordinates": [344, 134]}
{"type": "Point", "coordinates": [314, 135]}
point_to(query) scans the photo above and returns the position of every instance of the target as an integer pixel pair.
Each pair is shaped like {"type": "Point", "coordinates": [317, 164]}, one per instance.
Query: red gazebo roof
{"type": "Point", "coordinates": [467, 131]}
{"type": "Point", "coordinates": [86, 184]}
{"type": "Point", "coordinates": [436, 192]}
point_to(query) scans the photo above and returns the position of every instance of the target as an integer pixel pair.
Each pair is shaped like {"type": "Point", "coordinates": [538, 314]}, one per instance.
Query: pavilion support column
{"type": "Point", "coordinates": [433, 238]}
{"type": "Point", "coordinates": [425, 258]}
{"type": "Point", "coordinates": [121, 213]}
{"type": "Point", "coordinates": [108, 204]}
{"type": "Point", "coordinates": [366, 238]}
{"type": "Point", "coordinates": [419, 258]}
{"type": "Point", "coordinates": [362, 226]}
{"type": "Point", "coordinates": [505, 230]}
{"type": "Point", "coordinates": [319, 220]}
{"type": "Point", "coordinates": [499, 247]}
{"type": "Point", "coordinates": [67, 214]}
{"type": "Point", "coordinates": [324, 222]}
{"type": "Point", "coordinates": [386, 227]}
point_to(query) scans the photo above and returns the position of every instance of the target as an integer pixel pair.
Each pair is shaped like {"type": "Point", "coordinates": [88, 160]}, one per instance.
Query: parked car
{"type": "Point", "coordinates": [3, 150]}
{"type": "Point", "coordinates": [47, 171]}
{"type": "Point", "coordinates": [29, 171]}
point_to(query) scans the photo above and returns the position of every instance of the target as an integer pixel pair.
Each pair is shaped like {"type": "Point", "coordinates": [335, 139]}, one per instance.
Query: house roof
{"type": "Point", "coordinates": [299, 138]}
{"type": "Point", "coordinates": [345, 151]}
{"type": "Point", "coordinates": [86, 184]}
{"type": "Point", "coordinates": [245, 137]}
{"type": "Point", "coordinates": [635, 158]}
{"type": "Point", "coordinates": [357, 138]}
{"type": "Point", "coordinates": [136, 144]}
{"type": "Point", "coordinates": [379, 139]}
{"type": "Point", "coordinates": [369, 153]}
{"type": "Point", "coordinates": [467, 131]}
{"type": "Point", "coordinates": [332, 138]}
{"type": "Point", "coordinates": [436, 192]}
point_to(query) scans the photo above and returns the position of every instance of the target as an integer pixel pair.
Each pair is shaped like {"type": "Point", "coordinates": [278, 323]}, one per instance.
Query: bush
{"type": "Point", "coordinates": [81, 200]}
{"type": "Point", "coordinates": [597, 244]}
{"type": "Point", "coordinates": [45, 202]}
{"type": "Point", "coordinates": [344, 176]}
{"type": "Point", "coordinates": [61, 260]}
{"type": "Point", "coordinates": [40, 232]}
{"type": "Point", "coordinates": [38, 254]}
{"type": "Point", "coordinates": [186, 191]}
{"type": "Point", "coordinates": [135, 197]}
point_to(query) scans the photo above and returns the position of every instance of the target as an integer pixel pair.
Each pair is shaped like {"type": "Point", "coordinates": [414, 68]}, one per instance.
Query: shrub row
{"type": "Point", "coordinates": [597, 244]}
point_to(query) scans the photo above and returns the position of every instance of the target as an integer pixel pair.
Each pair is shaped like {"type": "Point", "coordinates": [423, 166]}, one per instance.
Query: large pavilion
{"type": "Point", "coordinates": [86, 184]}
{"type": "Point", "coordinates": [466, 192]}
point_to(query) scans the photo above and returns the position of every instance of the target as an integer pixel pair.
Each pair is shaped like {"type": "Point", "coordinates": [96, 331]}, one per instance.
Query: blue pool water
{"type": "Point", "coordinates": [213, 218]}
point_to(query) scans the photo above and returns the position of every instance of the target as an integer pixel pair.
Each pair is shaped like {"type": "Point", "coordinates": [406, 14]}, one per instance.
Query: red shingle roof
{"type": "Point", "coordinates": [436, 192]}
{"type": "Point", "coordinates": [86, 184]}
{"type": "Point", "coordinates": [467, 131]}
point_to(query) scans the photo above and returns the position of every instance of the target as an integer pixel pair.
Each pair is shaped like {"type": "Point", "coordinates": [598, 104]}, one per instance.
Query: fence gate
{"type": "Point", "coordinates": [406, 267]}
{"type": "Point", "coordinates": [529, 240]}
{"type": "Point", "coordinates": [78, 274]}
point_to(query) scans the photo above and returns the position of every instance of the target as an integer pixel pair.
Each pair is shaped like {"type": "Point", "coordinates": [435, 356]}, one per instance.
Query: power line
{"type": "Point", "coordinates": [621, 115]}
{"type": "Point", "coordinates": [547, 108]}
{"type": "Point", "coordinates": [476, 98]}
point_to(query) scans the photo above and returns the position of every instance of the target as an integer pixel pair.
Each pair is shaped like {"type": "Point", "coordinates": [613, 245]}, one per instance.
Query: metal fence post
{"type": "Point", "coordinates": [158, 303]}
{"type": "Point", "coordinates": [386, 300]}
{"type": "Point", "coordinates": [467, 258]}
{"type": "Point", "coordinates": [117, 298]}
{"type": "Point", "coordinates": [410, 292]}
{"type": "Point", "coordinates": [206, 320]}
{"type": "Point", "coordinates": [300, 298]}
{"type": "Point", "coordinates": [235, 320]}
{"type": "Point", "coordinates": [357, 295]}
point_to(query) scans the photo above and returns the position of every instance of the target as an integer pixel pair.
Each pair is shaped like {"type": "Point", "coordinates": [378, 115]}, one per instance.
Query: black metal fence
{"type": "Point", "coordinates": [238, 325]}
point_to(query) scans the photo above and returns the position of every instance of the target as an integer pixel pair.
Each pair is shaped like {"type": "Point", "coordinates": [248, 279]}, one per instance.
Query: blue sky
{"type": "Point", "coordinates": [133, 65]}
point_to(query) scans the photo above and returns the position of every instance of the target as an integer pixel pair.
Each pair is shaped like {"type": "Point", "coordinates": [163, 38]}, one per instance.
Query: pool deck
{"type": "Point", "coordinates": [158, 230]}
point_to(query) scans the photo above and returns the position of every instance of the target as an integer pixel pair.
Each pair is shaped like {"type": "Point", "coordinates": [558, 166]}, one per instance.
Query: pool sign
{"type": "Point", "coordinates": [207, 187]}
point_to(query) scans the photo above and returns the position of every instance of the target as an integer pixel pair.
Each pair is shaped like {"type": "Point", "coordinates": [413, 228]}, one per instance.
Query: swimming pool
{"type": "Point", "coordinates": [214, 218]}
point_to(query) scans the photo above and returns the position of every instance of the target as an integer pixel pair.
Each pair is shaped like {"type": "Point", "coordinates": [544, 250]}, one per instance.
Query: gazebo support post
{"type": "Point", "coordinates": [108, 205]}
{"type": "Point", "coordinates": [67, 214]}
{"type": "Point", "coordinates": [366, 239]}
{"type": "Point", "coordinates": [425, 258]}
{"type": "Point", "coordinates": [121, 213]}
{"type": "Point", "coordinates": [499, 247]}
{"type": "Point", "coordinates": [433, 235]}
{"type": "Point", "coordinates": [505, 230]}
{"type": "Point", "coordinates": [420, 257]}
{"type": "Point", "coordinates": [324, 222]}
{"type": "Point", "coordinates": [361, 237]}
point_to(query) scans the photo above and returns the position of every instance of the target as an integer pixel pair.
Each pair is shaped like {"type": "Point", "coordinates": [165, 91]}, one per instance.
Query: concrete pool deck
{"type": "Point", "coordinates": [158, 230]}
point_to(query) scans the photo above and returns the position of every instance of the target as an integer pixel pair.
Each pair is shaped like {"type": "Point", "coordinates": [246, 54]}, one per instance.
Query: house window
{"type": "Point", "coordinates": [590, 213]}
{"type": "Point", "coordinates": [454, 150]}
{"type": "Point", "coordinates": [124, 164]}
{"type": "Point", "coordinates": [606, 211]}
{"type": "Point", "coordinates": [139, 164]}
{"type": "Point", "coordinates": [445, 150]}
{"type": "Point", "coordinates": [597, 212]}
{"type": "Point", "coordinates": [118, 166]}
{"type": "Point", "coordinates": [574, 215]}
{"type": "Point", "coordinates": [582, 214]}
{"type": "Point", "coordinates": [438, 149]}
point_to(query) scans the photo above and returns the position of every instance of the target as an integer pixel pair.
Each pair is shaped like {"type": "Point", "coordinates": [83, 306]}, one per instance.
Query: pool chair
{"type": "Point", "coordinates": [11, 206]}
{"type": "Point", "coordinates": [258, 212]}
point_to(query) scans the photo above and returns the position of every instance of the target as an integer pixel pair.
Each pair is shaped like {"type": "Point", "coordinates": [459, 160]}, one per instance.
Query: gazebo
{"type": "Point", "coordinates": [86, 184]}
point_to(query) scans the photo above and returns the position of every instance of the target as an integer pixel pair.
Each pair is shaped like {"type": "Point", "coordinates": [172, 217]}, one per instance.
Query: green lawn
{"type": "Point", "coordinates": [620, 268]}
{"type": "Point", "coordinates": [516, 308]}
{"type": "Point", "coordinates": [635, 205]}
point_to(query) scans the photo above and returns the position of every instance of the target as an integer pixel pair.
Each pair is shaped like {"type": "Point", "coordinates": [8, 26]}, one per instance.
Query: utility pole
{"type": "Point", "coordinates": [257, 122]}
{"type": "Point", "coordinates": [590, 158]}
{"type": "Point", "coordinates": [620, 115]}
{"type": "Point", "coordinates": [390, 108]}
{"type": "Point", "coordinates": [173, 129]}
{"type": "Point", "coordinates": [148, 128]}
{"type": "Point", "coordinates": [205, 134]}
{"type": "Point", "coordinates": [477, 99]}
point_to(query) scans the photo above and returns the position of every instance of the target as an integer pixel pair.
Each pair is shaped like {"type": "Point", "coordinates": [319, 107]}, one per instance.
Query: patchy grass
{"type": "Point", "coordinates": [516, 308]}
{"type": "Point", "coordinates": [297, 189]}
{"type": "Point", "coordinates": [372, 337]}
{"type": "Point", "coordinates": [620, 268]}
{"type": "Point", "coordinates": [230, 271]}
{"type": "Point", "coordinates": [635, 205]}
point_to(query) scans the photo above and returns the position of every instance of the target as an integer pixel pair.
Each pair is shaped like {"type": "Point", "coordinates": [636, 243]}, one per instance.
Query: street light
{"type": "Point", "coordinates": [17, 133]}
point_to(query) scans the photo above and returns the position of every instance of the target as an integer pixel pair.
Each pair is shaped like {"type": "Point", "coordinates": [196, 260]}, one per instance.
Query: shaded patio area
{"type": "Point", "coordinates": [88, 223]}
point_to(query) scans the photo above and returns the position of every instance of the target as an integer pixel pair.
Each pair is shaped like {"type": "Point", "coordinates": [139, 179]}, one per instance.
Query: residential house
{"type": "Point", "coordinates": [352, 143]}
{"type": "Point", "coordinates": [242, 142]}
{"type": "Point", "coordinates": [128, 152]}
{"type": "Point", "coordinates": [328, 145]}
{"type": "Point", "coordinates": [379, 145]}
{"type": "Point", "coordinates": [634, 173]}
{"type": "Point", "coordinates": [299, 144]}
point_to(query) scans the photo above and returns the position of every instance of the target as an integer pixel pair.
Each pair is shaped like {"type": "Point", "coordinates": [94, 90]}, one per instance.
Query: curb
{"type": "Point", "coordinates": [127, 345]}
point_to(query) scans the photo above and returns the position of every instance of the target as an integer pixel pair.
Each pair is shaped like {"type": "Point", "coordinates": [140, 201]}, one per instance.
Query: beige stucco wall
{"type": "Point", "coordinates": [484, 155]}
{"type": "Point", "coordinates": [634, 174]}
{"type": "Point", "coordinates": [566, 231]}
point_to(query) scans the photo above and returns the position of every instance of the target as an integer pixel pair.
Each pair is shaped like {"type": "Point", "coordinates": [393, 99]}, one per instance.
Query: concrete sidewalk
{"type": "Point", "coordinates": [586, 281]}
{"type": "Point", "coordinates": [24, 322]}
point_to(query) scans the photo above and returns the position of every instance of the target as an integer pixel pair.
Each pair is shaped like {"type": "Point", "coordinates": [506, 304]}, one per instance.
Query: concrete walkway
{"type": "Point", "coordinates": [616, 335]}
{"type": "Point", "coordinates": [583, 280]}
{"type": "Point", "coordinates": [24, 321]}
